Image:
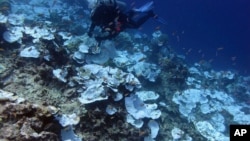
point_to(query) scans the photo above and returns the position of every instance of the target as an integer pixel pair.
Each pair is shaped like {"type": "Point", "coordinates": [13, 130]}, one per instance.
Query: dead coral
{"type": "Point", "coordinates": [97, 125]}
{"type": "Point", "coordinates": [26, 121]}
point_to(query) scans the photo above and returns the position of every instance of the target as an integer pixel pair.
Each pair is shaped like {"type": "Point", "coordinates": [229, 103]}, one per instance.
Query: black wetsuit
{"type": "Point", "coordinates": [112, 20]}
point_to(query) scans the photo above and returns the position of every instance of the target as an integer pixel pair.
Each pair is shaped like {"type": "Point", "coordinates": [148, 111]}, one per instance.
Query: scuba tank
{"type": "Point", "coordinates": [5, 6]}
{"type": "Point", "coordinates": [104, 12]}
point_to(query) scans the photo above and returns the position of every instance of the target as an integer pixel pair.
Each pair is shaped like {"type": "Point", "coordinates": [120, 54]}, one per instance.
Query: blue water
{"type": "Point", "coordinates": [199, 29]}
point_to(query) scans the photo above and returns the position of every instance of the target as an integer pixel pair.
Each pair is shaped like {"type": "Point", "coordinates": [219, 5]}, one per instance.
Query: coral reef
{"type": "Point", "coordinates": [174, 73]}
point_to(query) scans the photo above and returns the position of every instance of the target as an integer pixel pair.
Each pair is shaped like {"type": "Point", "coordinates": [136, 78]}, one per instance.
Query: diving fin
{"type": "Point", "coordinates": [145, 8]}
{"type": "Point", "coordinates": [161, 20]}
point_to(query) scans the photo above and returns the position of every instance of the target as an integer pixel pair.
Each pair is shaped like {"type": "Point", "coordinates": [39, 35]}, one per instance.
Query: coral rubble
{"type": "Point", "coordinates": [24, 121]}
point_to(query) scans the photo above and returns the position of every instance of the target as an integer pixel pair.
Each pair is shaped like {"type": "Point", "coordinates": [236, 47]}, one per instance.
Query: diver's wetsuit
{"type": "Point", "coordinates": [113, 20]}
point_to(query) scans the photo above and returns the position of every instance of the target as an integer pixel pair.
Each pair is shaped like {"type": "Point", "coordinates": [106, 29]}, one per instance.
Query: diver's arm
{"type": "Point", "coordinates": [91, 29]}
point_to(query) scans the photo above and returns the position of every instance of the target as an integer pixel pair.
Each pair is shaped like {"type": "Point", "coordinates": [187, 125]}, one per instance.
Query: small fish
{"type": "Point", "coordinates": [210, 60]}
{"type": "Point", "coordinates": [158, 28]}
{"type": "Point", "coordinates": [220, 48]}
{"type": "Point", "coordinates": [14, 55]}
{"type": "Point", "coordinates": [203, 55]}
{"type": "Point", "coordinates": [126, 94]}
{"type": "Point", "coordinates": [111, 23]}
{"type": "Point", "coordinates": [199, 51]}
{"type": "Point", "coordinates": [140, 28]}
{"type": "Point", "coordinates": [174, 33]}
{"type": "Point", "coordinates": [142, 133]}
{"type": "Point", "coordinates": [189, 51]}
{"type": "Point", "coordinates": [233, 58]}
{"type": "Point", "coordinates": [142, 59]}
{"type": "Point", "coordinates": [107, 29]}
{"type": "Point", "coordinates": [178, 38]}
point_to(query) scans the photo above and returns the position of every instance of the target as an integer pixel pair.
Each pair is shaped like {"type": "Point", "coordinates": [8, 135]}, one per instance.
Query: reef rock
{"type": "Point", "coordinates": [26, 121]}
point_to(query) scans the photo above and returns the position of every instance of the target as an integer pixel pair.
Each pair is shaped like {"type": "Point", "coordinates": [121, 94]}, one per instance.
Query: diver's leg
{"type": "Point", "coordinates": [141, 18]}
{"type": "Point", "coordinates": [146, 7]}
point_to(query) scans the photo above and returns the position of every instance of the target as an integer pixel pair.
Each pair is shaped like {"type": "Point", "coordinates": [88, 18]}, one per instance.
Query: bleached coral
{"type": "Point", "coordinates": [122, 60]}
{"type": "Point", "coordinates": [14, 34]}
{"type": "Point", "coordinates": [15, 19]}
{"type": "Point", "coordinates": [69, 135]}
{"type": "Point", "coordinates": [83, 48]}
{"type": "Point", "coordinates": [3, 18]}
{"type": "Point", "coordinates": [132, 82]}
{"type": "Point", "coordinates": [139, 110]}
{"type": "Point", "coordinates": [177, 133]}
{"type": "Point", "coordinates": [154, 128]}
{"type": "Point", "coordinates": [65, 35]}
{"type": "Point", "coordinates": [118, 96]}
{"type": "Point", "coordinates": [147, 95]}
{"type": "Point", "coordinates": [4, 95]}
{"type": "Point", "coordinates": [135, 63]}
{"type": "Point", "coordinates": [67, 120]}
{"type": "Point", "coordinates": [39, 33]}
{"type": "Point", "coordinates": [138, 123]}
{"type": "Point", "coordinates": [30, 52]}
{"type": "Point", "coordinates": [92, 3]}
{"type": "Point", "coordinates": [208, 131]}
{"type": "Point", "coordinates": [196, 102]}
{"type": "Point", "coordinates": [101, 55]}
{"type": "Point", "coordinates": [104, 78]}
{"type": "Point", "coordinates": [79, 56]}
{"type": "Point", "coordinates": [94, 92]}
{"type": "Point", "coordinates": [111, 110]}
{"type": "Point", "coordinates": [60, 74]}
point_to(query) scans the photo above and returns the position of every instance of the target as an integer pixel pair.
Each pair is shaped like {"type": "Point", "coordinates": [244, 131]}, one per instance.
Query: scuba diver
{"type": "Point", "coordinates": [112, 18]}
{"type": "Point", "coordinates": [5, 7]}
